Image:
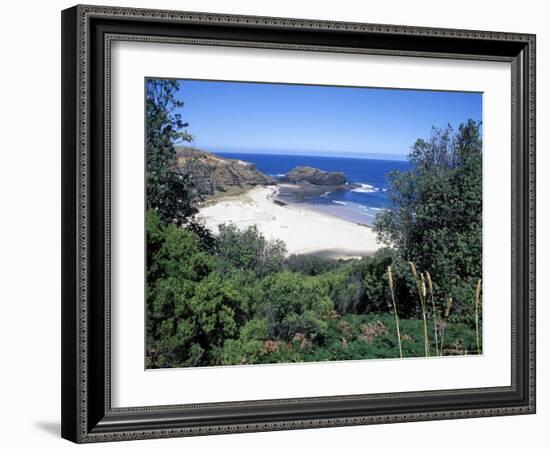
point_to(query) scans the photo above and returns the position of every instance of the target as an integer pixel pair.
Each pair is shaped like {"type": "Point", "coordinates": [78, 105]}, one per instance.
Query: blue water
{"type": "Point", "coordinates": [361, 204]}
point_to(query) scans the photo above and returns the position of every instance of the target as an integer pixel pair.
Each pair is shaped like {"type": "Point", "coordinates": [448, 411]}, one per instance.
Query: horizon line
{"type": "Point", "coordinates": [379, 156]}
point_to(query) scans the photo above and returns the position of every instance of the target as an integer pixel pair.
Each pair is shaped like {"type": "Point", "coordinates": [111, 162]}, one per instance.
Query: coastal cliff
{"type": "Point", "coordinates": [215, 174]}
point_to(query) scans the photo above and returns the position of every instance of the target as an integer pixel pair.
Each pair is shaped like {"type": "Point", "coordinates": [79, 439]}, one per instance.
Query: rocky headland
{"type": "Point", "coordinates": [215, 175]}
{"type": "Point", "coordinates": [314, 176]}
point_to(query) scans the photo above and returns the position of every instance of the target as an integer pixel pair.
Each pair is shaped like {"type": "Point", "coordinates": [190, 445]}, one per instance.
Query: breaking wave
{"type": "Point", "coordinates": [365, 188]}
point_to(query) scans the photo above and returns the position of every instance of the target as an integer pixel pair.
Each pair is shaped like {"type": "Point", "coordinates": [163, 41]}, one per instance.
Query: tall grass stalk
{"type": "Point", "coordinates": [447, 312]}
{"type": "Point", "coordinates": [434, 309]}
{"type": "Point", "coordinates": [390, 282]}
{"type": "Point", "coordinates": [421, 286]}
{"type": "Point", "coordinates": [478, 293]}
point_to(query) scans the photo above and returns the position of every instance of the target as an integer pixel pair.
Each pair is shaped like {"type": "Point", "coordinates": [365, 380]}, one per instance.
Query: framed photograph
{"type": "Point", "coordinates": [276, 224]}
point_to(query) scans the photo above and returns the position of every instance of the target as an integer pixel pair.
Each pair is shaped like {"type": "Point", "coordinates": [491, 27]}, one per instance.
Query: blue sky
{"type": "Point", "coordinates": [317, 120]}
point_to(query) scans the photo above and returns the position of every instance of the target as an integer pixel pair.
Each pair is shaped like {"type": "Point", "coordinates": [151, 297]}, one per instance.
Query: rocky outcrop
{"type": "Point", "coordinates": [215, 174]}
{"type": "Point", "coordinates": [314, 176]}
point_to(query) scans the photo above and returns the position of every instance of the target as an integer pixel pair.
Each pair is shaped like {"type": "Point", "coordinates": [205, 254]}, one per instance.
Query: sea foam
{"type": "Point", "coordinates": [365, 188]}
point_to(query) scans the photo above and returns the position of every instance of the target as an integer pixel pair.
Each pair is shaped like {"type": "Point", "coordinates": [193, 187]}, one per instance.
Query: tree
{"type": "Point", "coordinates": [169, 192]}
{"type": "Point", "coordinates": [436, 214]}
{"type": "Point", "coordinates": [249, 250]}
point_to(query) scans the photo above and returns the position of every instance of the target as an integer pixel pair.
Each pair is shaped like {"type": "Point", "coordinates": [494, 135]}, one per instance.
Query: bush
{"type": "Point", "coordinates": [249, 250]}
{"type": "Point", "coordinates": [345, 290]}
{"type": "Point", "coordinates": [361, 286]}
{"type": "Point", "coordinates": [249, 347]}
{"type": "Point", "coordinates": [191, 310]}
{"type": "Point", "coordinates": [309, 264]}
{"type": "Point", "coordinates": [294, 304]}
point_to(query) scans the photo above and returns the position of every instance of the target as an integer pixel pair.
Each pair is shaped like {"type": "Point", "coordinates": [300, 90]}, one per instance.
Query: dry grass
{"type": "Point", "coordinates": [427, 298]}
{"type": "Point", "coordinates": [434, 309]}
{"type": "Point", "coordinates": [421, 286]}
{"type": "Point", "coordinates": [390, 283]}
{"type": "Point", "coordinates": [447, 313]}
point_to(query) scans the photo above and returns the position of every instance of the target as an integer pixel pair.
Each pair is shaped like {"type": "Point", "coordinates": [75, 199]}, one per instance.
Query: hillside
{"type": "Point", "coordinates": [215, 174]}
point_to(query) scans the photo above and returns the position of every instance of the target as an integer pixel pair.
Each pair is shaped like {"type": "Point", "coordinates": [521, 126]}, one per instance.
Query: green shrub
{"type": "Point", "coordinates": [311, 265]}
{"type": "Point", "coordinates": [191, 310]}
{"type": "Point", "coordinates": [294, 304]}
{"type": "Point", "coordinates": [248, 250]}
{"type": "Point", "coordinates": [249, 347]}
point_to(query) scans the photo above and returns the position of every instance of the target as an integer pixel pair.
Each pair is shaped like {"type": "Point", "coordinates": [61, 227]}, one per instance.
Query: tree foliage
{"type": "Point", "coordinates": [249, 250]}
{"type": "Point", "coordinates": [169, 192]}
{"type": "Point", "coordinates": [436, 217]}
{"type": "Point", "coordinates": [191, 310]}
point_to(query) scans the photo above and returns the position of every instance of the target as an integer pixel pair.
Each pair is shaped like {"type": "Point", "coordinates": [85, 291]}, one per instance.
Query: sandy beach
{"type": "Point", "coordinates": [304, 231]}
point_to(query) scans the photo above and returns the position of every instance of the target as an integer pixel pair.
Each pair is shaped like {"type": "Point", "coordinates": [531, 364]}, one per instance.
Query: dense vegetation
{"type": "Point", "coordinates": [238, 298]}
{"type": "Point", "coordinates": [437, 213]}
{"type": "Point", "coordinates": [169, 192]}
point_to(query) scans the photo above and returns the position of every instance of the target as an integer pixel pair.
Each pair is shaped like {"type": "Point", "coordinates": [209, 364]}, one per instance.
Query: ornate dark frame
{"type": "Point", "coordinates": [87, 33]}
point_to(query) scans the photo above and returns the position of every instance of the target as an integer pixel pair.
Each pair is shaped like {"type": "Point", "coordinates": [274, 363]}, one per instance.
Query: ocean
{"type": "Point", "coordinates": [360, 204]}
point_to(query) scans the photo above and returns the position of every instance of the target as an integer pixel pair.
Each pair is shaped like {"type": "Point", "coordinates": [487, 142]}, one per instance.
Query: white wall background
{"type": "Point", "coordinates": [30, 221]}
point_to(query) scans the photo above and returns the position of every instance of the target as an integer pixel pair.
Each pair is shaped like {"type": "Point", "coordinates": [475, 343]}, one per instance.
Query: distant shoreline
{"type": "Point", "coordinates": [371, 156]}
{"type": "Point", "coordinates": [305, 230]}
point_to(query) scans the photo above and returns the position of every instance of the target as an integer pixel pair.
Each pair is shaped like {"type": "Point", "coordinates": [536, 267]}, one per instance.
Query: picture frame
{"type": "Point", "coordinates": [87, 35]}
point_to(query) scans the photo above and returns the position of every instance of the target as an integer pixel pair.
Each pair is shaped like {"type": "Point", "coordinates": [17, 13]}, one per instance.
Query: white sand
{"type": "Point", "coordinates": [304, 231]}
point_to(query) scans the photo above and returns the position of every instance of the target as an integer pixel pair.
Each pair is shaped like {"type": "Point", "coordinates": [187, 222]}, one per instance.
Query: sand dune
{"type": "Point", "coordinates": [304, 231]}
